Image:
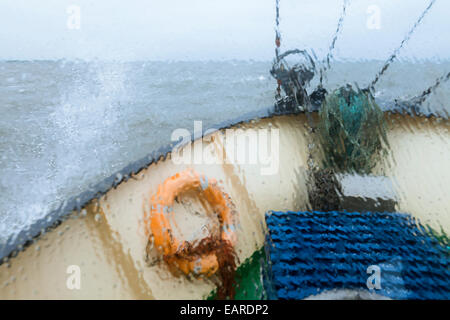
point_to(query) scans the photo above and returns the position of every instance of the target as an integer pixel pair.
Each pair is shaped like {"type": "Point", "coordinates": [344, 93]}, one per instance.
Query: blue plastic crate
{"type": "Point", "coordinates": [312, 252]}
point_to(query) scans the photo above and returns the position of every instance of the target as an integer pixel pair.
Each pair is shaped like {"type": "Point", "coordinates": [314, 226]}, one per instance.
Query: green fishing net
{"type": "Point", "coordinates": [352, 130]}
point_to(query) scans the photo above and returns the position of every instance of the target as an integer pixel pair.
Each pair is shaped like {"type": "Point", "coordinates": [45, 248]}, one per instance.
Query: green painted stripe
{"type": "Point", "coordinates": [249, 283]}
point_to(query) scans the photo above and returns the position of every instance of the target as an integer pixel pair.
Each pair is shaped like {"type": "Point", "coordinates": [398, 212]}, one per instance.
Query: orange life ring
{"type": "Point", "coordinates": [177, 252]}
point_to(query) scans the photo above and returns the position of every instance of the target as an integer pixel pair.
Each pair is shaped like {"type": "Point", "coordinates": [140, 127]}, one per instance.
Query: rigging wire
{"type": "Point", "coordinates": [396, 51]}
{"type": "Point", "coordinates": [424, 95]}
{"type": "Point", "coordinates": [277, 30]}
{"type": "Point", "coordinates": [333, 42]}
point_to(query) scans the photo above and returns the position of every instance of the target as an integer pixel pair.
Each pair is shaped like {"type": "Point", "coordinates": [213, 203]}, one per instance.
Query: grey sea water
{"type": "Point", "coordinates": [66, 125]}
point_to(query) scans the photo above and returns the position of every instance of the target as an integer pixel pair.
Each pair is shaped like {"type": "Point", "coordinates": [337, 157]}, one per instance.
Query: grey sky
{"type": "Point", "coordinates": [216, 29]}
